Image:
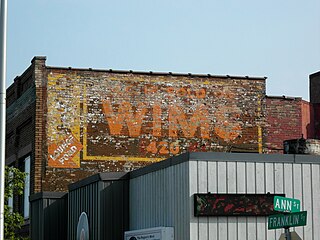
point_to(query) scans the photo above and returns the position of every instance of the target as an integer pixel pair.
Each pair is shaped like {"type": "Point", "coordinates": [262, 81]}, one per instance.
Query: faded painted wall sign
{"type": "Point", "coordinates": [63, 153]}
{"type": "Point", "coordinates": [129, 117]}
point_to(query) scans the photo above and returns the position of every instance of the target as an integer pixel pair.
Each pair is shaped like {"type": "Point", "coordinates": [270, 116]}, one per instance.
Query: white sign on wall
{"type": "Point", "coordinates": [158, 233]}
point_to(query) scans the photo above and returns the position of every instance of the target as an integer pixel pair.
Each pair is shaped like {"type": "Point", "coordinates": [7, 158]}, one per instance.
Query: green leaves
{"type": "Point", "coordinates": [14, 184]}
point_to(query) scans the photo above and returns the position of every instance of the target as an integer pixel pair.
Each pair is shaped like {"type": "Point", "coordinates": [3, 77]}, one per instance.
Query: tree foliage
{"type": "Point", "coordinates": [14, 185]}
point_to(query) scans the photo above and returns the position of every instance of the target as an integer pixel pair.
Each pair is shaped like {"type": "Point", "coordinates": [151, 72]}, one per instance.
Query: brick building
{"type": "Point", "coordinates": [73, 123]}
{"type": "Point", "coordinates": [287, 118]}
{"type": "Point", "coordinates": [65, 124]}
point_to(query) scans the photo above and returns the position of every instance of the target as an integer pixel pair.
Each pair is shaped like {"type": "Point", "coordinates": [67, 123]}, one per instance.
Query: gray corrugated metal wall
{"type": "Point", "coordinates": [161, 198]}
{"type": "Point", "coordinates": [114, 210]}
{"type": "Point", "coordinates": [48, 216]}
{"type": "Point", "coordinates": [105, 203]}
{"type": "Point", "coordinates": [85, 199]}
{"type": "Point", "coordinates": [301, 181]}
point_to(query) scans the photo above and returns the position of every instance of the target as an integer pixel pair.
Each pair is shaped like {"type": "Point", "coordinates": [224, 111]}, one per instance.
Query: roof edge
{"type": "Point", "coordinates": [314, 74]}
{"type": "Point", "coordinates": [157, 73]}
{"type": "Point", "coordinates": [104, 176]}
{"type": "Point", "coordinates": [226, 157]}
{"type": "Point", "coordinates": [284, 97]}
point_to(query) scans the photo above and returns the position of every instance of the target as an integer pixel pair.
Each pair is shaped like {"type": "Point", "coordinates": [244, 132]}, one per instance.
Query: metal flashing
{"type": "Point", "coordinates": [314, 74]}
{"type": "Point", "coordinates": [184, 157]}
{"type": "Point", "coordinates": [105, 176]}
{"type": "Point", "coordinates": [157, 73]}
{"type": "Point", "coordinates": [226, 157]}
{"type": "Point", "coordinates": [51, 195]}
{"type": "Point", "coordinates": [284, 97]}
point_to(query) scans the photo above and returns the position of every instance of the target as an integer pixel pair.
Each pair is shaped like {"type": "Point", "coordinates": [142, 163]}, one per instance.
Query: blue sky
{"type": "Point", "coordinates": [276, 39]}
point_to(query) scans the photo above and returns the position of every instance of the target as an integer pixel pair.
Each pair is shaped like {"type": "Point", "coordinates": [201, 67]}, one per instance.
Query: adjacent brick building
{"type": "Point", "coordinates": [287, 118]}
{"type": "Point", "coordinates": [292, 117]}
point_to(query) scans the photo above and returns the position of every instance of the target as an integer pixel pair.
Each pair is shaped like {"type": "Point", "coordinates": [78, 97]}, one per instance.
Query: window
{"type": "Point", "coordinates": [24, 200]}
{"type": "Point", "coordinates": [10, 200]}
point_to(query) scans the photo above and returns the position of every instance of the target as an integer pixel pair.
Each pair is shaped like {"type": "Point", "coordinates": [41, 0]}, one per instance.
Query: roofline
{"type": "Point", "coordinates": [314, 74]}
{"type": "Point", "coordinates": [157, 73]}
{"type": "Point", "coordinates": [105, 176]}
{"type": "Point", "coordinates": [226, 157]}
{"type": "Point", "coordinates": [51, 195]}
{"type": "Point", "coordinates": [284, 97]}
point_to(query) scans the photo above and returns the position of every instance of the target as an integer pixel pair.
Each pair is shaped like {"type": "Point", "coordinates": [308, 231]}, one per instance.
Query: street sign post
{"type": "Point", "coordinates": [283, 204]}
{"type": "Point", "coordinates": [294, 236]}
{"type": "Point", "coordinates": [287, 220]}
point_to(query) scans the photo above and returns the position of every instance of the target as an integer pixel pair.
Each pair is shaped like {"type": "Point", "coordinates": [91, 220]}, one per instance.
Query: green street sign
{"type": "Point", "coordinates": [287, 220]}
{"type": "Point", "coordinates": [283, 204]}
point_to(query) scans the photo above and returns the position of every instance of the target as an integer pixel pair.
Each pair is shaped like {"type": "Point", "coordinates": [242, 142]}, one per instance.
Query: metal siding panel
{"type": "Point", "coordinates": [232, 188]}
{"type": "Point", "coordinates": [178, 214]}
{"type": "Point", "coordinates": [48, 218]}
{"type": "Point", "coordinates": [222, 188]}
{"type": "Point", "coordinates": [297, 190]}
{"type": "Point", "coordinates": [203, 188]}
{"type": "Point", "coordinates": [171, 184]}
{"type": "Point", "coordinates": [213, 188]}
{"type": "Point", "coordinates": [52, 228]}
{"type": "Point", "coordinates": [185, 204]}
{"type": "Point", "coordinates": [132, 203]}
{"type": "Point", "coordinates": [222, 177]}
{"type": "Point", "coordinates": [251, 178]}
{"type": "Point", "coordinates": [36, 216]}
{"type": "Point", "coordinates": [241, 188]}
{"type": "Point", "coordinates": [143, 202]}
{"type": "Point", "coordinates": [147, 183]}
{"type": "Point", "coordinates": [307, 199]}
{"type": "Point", "coordinates": [286, 182]}
{"type": "Point", "coordinates": [288, 187]}
{"type": "Point", "coordinates": [157, 197]}
{"type": "Point", "coordinates": [260, 188]}
{"type": "Point", "coordinates": [315, 173]}
{"type": "Point", "coordinates": [251, 188]}
{"type": "Point", "coordinates": [178, 194]}
{"type": "Point", "coordinates": [193, 188]}
{"type": "Point", "coordinates": [118, 225]}
{"type": "Point", "coordinates": [161, 199]}
{"type": "Point", "coordinates": [269, 169]}
{"type": "Point", "coordinates": [279, 186]}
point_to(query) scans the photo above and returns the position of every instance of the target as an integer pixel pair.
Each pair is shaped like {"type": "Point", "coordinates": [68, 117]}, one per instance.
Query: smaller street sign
{"type": "Point", "coordinates": [287, 220]}
{"type": "Point", "coordinates": [283, 204]}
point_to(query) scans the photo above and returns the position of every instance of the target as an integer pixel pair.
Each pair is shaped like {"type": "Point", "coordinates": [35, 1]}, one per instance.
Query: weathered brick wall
{"type": "Point", "coordinates": [284, 122]}
{"type": "Point", "coordinates": [40, 81]}
{"type": "Point", "coordinates": [118, 121]}
{"type": "Point", "coordinates": [307, 122]}
{"type": "Point", "coordinates": [315, 101]}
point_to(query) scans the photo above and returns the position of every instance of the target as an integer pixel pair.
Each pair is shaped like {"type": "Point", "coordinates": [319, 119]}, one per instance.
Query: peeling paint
{"type": "Point", "coordinates": [132, 118]}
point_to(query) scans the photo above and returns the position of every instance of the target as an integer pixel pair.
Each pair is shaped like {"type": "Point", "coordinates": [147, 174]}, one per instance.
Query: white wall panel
{"type": "Point", "coordinates": [193, 186]}
{"type": "Point", "coordinates": [278, 187]}
{"type": "Point", "coordinates": [315, 173]}
{"type": "Point", "coordinates": [213, 188]}
{"type": "Point", "coordinates": [241, 188]}
{"type": "Point", "coordinates": [297, 190]}
{"type": "Point", "coordinates": [294, 180]}
{"type": "Point", "coordinates": [260, 189]}
{"type": "Point", "coordinates": [269, 169]}
{"type": "Point", "coordinates": [203, 188]}
{"type": "Point", "coordinates": [222, 188]}
{"type": "Point", "coordinates": [172, 190]}
{"type": "Point", "coordinates": [232, 188]}
{"type": "Point", "coordinates": [251, 188]}
{"type": "Point", "coordinates": [307, 199]}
